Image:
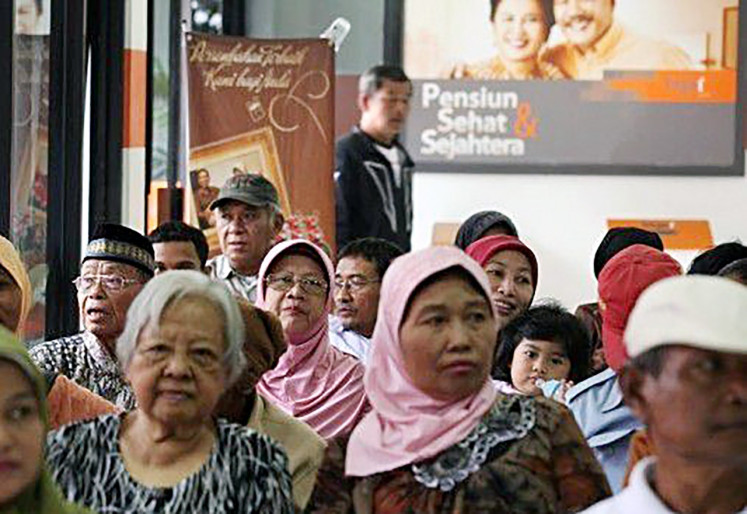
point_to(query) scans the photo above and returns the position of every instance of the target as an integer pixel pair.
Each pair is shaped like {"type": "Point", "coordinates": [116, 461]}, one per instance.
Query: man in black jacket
{"type": "Point", "coordinates": [373, 176]}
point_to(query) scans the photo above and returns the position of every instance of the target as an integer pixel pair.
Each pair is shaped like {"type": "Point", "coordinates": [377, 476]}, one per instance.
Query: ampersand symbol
{"type": "Point", "coordinates": [526, 125]}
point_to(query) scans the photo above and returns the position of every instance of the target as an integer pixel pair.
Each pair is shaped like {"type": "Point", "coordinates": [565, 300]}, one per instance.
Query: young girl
{"type": "Point", "coordinates": [546, 346]}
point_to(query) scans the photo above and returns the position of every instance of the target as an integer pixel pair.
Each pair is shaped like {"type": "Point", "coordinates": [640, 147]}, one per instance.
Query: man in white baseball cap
{"type": "Point", "coordinates": [687, 381]}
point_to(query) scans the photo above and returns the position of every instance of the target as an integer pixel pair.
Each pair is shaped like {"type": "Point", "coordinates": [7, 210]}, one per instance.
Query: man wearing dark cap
{"type": "Point", "coordinates": [615, 240]}
{"type": "Point", "coordinates": [248, 219]}
{"type": "Point", "coordinates": [117, 263]}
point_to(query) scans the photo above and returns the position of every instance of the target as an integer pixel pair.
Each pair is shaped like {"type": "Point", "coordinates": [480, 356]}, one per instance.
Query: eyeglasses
{"type": "Point", "coordinates": [110, 283]}
{"type": "Point", "coordinates": [285, 282]}
{"type": "Point", "coordinates": [355, 283]}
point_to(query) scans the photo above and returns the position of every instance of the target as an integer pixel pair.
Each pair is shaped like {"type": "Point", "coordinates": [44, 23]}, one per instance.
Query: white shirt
{"type": "Point", "coordinates": [395, 158]}
{"type": "Point", "coordinates": [639, 497]}
{"type": "Point", "coordinates": [348, 341]}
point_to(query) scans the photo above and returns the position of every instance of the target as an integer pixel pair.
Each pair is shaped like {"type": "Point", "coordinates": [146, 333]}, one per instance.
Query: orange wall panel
{"type": "Point", "coordinates": [134, 75]}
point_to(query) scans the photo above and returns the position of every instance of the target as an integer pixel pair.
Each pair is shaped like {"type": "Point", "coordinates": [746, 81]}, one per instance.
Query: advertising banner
{"type": "Point", "coordinates": [263, 106]}
{"type": "Point", "coordinates": [601, 86]}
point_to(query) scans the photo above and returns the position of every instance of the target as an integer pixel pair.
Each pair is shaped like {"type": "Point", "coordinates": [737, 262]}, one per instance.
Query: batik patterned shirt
{"type": "Point", "coordinates": [246, 472]}
{"type": "Point", "coordinates": [83, 359]}
{"type": "Point", "coordinates": [526, 456]}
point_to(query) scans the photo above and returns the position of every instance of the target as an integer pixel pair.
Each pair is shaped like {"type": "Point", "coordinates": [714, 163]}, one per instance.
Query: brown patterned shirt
{"type": "Point", "coordinates": [545, 468]}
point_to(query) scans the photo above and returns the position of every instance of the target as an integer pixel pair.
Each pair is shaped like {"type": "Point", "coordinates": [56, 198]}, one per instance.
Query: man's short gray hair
{"type": "Point", "coordinates": [160, 292]}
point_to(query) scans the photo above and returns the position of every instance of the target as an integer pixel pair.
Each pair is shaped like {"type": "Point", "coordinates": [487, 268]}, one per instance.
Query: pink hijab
{"type": "Point", "coordinates": [406, 425]}
{"type": "Point", "coordinates": [313, 381]}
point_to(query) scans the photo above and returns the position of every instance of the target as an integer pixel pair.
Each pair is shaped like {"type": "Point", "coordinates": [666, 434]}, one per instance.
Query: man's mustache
{"type": "Point", "coordinates": [583, 18]}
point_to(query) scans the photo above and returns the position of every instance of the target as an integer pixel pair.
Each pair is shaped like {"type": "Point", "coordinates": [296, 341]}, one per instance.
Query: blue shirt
{"type": "Point", "coordinates": [607, 423]}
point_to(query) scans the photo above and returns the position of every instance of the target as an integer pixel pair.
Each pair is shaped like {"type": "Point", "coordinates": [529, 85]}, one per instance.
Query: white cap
{"type": "Point", "coordinates": [694, 310]}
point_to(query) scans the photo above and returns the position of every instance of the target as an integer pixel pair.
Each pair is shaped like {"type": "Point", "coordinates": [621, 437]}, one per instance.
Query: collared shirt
{"type": "Point", "coordinates": [638, 497]}
{"type": "Point", "coordinates": [618, 49]}
{"type": "Point", "coordinates": [607, 423]}
{"type": "Point", "coordinates": [348, 341]}
{"type": "Point", "coordinates": [83, 359]}
{"type": "Point", "coordinates": [304, 447]}
{"type": "Point", "coordinates": [244, 286]}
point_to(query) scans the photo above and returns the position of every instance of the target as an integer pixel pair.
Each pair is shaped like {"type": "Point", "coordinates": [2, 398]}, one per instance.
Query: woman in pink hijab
{"type": "Point", "coordinates": [313, 381]}
{"type": "Point", "coordinates": [440, 438]}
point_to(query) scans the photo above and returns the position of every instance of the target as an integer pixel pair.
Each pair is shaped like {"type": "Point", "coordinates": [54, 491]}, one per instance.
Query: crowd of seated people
{"type": "Point", "coordinates": [376, 380]}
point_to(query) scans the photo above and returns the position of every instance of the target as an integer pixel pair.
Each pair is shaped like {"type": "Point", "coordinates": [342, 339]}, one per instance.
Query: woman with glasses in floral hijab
{"type": "Point", "coordinates": [313, 381]}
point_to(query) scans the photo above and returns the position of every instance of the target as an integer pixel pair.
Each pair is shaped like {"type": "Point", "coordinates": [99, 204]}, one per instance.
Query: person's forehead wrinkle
{"type": "Point", "coordinates": [507, 266]}
{"type": "Point", "coordinates": [22, 396]}
{"type": "Point", "coordinates": [356, 274]}
{"type": "Point", "coordinates": [430, 307]}
{"type": "Point", "coordinates": [477, 302]}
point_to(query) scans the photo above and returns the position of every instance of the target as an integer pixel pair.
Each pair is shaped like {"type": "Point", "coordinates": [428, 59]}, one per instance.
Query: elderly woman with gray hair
{"type": "Point", "coordinates": [181, 349]}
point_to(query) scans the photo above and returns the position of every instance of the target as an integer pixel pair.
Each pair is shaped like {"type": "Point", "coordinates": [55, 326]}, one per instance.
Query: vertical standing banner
{"type": "Point", "coordinates": [263, 106]}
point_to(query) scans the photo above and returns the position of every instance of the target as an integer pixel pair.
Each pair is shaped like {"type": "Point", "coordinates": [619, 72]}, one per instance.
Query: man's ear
{"type": "Point", "coordinates": [277, 224]}
{"type": "Point", "coordinates": [633, 383]}
{"type": "Point", "coordinates": [363, 102]}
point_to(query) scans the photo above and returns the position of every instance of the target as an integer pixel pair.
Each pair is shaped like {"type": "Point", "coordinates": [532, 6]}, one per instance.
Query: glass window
{"type": "Point", "coordinates": [29, 149]}
{"type": "Point", "coordinates": [207, 16]}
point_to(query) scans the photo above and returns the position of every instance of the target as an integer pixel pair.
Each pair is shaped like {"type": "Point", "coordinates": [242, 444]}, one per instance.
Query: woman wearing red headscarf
{"type": "Point", "coordinates": [512, 271]}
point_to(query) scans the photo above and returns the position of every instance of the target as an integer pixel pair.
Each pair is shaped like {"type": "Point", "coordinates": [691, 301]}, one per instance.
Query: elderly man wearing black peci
{"type": "Point", "coordinates": [117, 263]}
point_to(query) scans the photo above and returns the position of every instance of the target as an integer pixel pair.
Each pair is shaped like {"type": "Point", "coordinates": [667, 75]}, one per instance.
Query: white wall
{"type": "Point", "coordinates": [563, 218]}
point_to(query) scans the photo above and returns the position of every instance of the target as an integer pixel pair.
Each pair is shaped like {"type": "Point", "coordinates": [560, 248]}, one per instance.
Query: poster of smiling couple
{"type": "Point", "coordinates": [590, 86]}
{"type": "Point", "coordinates": [263, 106]}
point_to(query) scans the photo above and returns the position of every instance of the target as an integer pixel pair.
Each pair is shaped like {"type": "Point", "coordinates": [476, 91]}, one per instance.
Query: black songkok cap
{"type": "Point", "coordinates": [113, 242]}
{"type": "Point", "coordinates": [618, 239]}
{"type": "Point", "coordinates": [715, 259]}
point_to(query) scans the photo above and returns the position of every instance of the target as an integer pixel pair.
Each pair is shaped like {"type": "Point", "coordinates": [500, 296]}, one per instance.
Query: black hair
{"type": "Point", "coordinates": [378, 252]}
{"type": "Point", "coordinates": [454, 271]}
{"type": "Point", "coordinates": [547, 11]}
{"type": "Point", "coordinates": [373, 78]}
{"type": "Point", "coordinates": [650, 362]}
{"type": "Point", "coordinates": [178, 231]}
{"type": "Point", "coordinates": [737, 270]}
{"type": "Point", "coordinates": [713, 260]}
{"type": "Point", "coordinates": [548, 322]}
